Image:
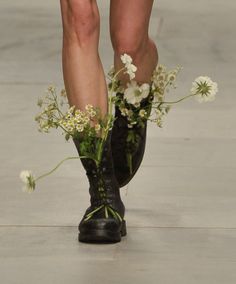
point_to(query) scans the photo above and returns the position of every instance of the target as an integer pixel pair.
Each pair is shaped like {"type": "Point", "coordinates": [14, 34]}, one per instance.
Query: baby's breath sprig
{"type": "Point", "coordinates": [162, 81]}
{"type": "Point", "coordinates": [51, 112]}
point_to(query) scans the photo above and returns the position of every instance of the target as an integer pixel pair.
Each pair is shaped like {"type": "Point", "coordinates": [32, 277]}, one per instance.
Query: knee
{"type": "Point", "coordinates": [80, 20]}
{"type": "Point", "coordinates": [132, 42]}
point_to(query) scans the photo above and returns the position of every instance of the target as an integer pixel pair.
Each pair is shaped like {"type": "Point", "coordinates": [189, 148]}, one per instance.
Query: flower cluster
{"type": "Point", "coordinates": [130, 68]}
{"type": "Point", "coordinates": [72, 121]}
{"type": "Point", "coordinates": [162, 81]}
{"type": "Point", "coordinates": [160, 113]}
{"type": "Point", "coordinates": [77, 121]}
{"type": "Point", "coordinates": [138, 112]}
{"type": "Point", "coordinates": [51, 109]}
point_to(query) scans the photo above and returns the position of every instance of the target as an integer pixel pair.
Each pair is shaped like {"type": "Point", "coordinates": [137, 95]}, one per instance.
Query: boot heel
{"type": "Point", "coordinates": [123, 230]}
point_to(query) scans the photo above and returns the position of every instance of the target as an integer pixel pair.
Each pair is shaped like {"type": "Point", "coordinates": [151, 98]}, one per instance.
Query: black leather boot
{"type": "Point", "coordinates": [128, 154]}
{"type": "Point", "coordinates": [103, 221]}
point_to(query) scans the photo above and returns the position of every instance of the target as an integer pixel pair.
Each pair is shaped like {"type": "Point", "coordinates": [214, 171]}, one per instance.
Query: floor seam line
{"type": "Point", "coordinates": [131, 227]}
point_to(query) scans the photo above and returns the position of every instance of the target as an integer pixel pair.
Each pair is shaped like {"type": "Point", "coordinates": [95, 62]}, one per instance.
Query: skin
{"type": "Point", "coordinates": [129, 23]}
{"type": "Point", "coordinates": [82, 68]}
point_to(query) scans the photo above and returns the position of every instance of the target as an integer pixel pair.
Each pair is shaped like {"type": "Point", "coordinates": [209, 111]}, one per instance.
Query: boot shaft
{"type": "Point", "coordinates": [104, 188]}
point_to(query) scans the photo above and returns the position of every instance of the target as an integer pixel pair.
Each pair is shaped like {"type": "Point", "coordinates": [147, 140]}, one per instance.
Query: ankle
{"type": "Point", "coordinates": [152, 52]}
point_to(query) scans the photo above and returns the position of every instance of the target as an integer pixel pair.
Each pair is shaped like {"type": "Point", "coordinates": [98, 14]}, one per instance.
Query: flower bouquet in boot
{"type": "Point", "coordinates": [103, 221]}
{"type": "Point", "coordinates": [136, 104]}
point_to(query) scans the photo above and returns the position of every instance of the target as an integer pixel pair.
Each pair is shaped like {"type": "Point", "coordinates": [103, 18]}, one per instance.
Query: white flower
{"type": "Point", "coordinates": [90, 110]}
{"type": "Point", "coordinates": [171, 77]}
{"type": "Point", "coordinates": [160, 68]}
{"type": "Point", "coordinates": [97, 127]}
{"type": "Point", "coordinates": [63, 93]}
{"type": "Point", "coordinates": [145, 89]}
{"type": "Point", "coordinates": [51, 89]}
{"type": "Point", "coordinates": [134, 93]}
{"type": "Point", "coordinates": [124, 111]}
{"type": "Point", "coordinates": [130, 68]}
{"type": "Point", "coordinates": [111, 71]}
{"type": "Point", "coordinates": [126, 59]}
{"type": "Point", "coordinates": [24, 176]}
{"type": "Point", "coordinates": [131, 93]}
{"type": "Point", "coordinates": [142, 113]}
{"type": "Point", "coordinates": [204, 89]}
{"type": "Point", "coordinates": [29, 181]}
{"type": "Point", "coordinates": [79, 128]}
{"type": "Point", "coordinates": [71, 110]}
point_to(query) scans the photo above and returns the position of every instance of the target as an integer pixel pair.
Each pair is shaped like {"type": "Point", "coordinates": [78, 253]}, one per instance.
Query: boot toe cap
{"type": "Point", "coordinates": [100, 224]}
{"type": "Point", "coordinates": [103, 230]}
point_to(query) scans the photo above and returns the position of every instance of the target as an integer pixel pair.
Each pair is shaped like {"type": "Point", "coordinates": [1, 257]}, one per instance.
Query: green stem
{"type": "Point", "coordinates": [129, 162]}
{"type": "Point", "coordinates": [59, 111]}
{"type": "Point", "coordinates": [106, 212]}
{"type": "Point", "coordinates": [106, 130]}
{"type": "Point", "coordinates": [99, 155]}
{"type": "Point", "coordinates": [175, 102]}
{"type": "Point", "coordinates": [57, 106]}
{"type": "Point", "coordinates": [58, 165]}
{"type": "Point", "coordinates": [114, 213]}
{"type": "Point", "coordinates": [56, 118]}
{"type": "Point", "coordinates": [112, 90]}
{"type": "Point", "coordinates": [117, 73]}
{"type": "Point", "coordinates": [94, 211]}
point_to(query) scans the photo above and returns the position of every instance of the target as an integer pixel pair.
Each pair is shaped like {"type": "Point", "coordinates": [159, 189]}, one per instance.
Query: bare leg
{"type": "Point", "coordinates": [129, 23]}
{"type": "Point", "coordinates": [82, 69]}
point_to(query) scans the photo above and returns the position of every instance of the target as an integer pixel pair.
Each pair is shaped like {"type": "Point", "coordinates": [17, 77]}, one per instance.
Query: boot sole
{"type": "Point", "coordinates": [103, 236]}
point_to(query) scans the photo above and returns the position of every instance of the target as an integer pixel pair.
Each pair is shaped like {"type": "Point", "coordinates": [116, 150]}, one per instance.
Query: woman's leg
{"type": "Point", "coordinates": [85, 83]}
{"type": "Point", "coordinates": [82, 69]}
{"type": "Point", "coordinates": [129, 23]}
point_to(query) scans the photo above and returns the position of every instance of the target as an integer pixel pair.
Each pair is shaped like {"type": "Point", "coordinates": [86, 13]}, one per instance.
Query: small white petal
{"type": "Point", "coordinates": [126, 59]}
{"type": "Point", "coordinates": [145, 90]}
{"type": "Point", "coordinates": [24, 175]}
